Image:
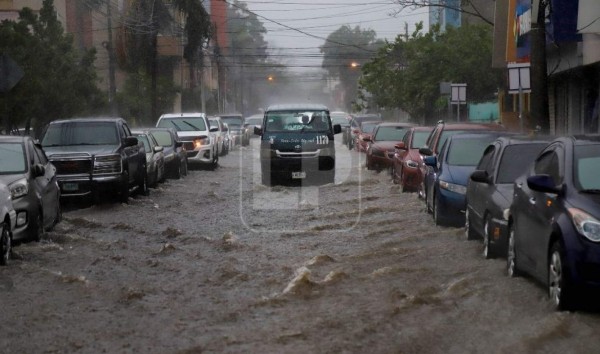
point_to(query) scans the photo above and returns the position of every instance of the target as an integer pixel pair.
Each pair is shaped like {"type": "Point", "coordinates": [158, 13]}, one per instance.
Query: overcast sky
{"type": "Point", "coordinates": [319, 18]}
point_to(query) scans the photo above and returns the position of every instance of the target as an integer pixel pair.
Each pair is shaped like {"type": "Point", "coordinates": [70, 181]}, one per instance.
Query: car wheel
{"type": "Point", "coordinates": [184, 170]}
{"type": "Point", "coordinates": [559, 286]}
{"type": "Point", "coordinates": [5, 244]}
{"type": "Point", "coordinates": [488, 252]}
{"type": "Point", "coordinates": [469, 232]}
{"type": "Point", "coordinates": [124, 192]}
{"type": "Point", "coordinates": [177, 171]}
{"type": "Point", "coordinates": [436, 212]}
{"type": "Point", "coordinates": [511, 254]}
{"type": "Point", "coordinates": [143, 183]}
{"type": "Point", "coordinates": [215, 161]}
{"type": "Point", "coordinates": [57, 216]}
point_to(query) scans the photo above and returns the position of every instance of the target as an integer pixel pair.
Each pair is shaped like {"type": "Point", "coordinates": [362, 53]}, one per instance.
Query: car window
{"type": "Point", "coordinates": [547, 164]}
{"type": "Point", "coordinates": [444, 135]}
{"type": "Point", "coordinates": [587, 165]}
{"type": "Point", "coordinates": [41, 155]}
{"type": "Point", "coordinates": [368, 127]}
{"type": "Point", "coordinates": [467, 152]}
{"type": "Point", "coordinates": [126, 129]}
{"type": "Point", "coordinates": [515, 160]}
{"type": "Point", "coordinates": [233, 121]}
{"type": "Point", "coordinates": [419, 138]}
{"type": "Point", "coordinates": [485, 161]}
{"type": "Point", "coordinates": [12, 158]}
{"type": "Point", "coordinates": [183, 124]}
{"type": "Point", "coordinates": [297, 121]}
{"type": "Point", "coordinates": [144, 139]}
{"type": "Point", "coordinates": [385, 133]}
{"type": "Point", "coordinates": [163, 138]}
{"type": "Point", "coordinates": [81, 133]}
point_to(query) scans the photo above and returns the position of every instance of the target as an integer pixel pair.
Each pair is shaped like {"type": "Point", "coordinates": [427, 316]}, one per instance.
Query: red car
{"type": "Point", "coordinates": [364, 132]}
{"type": "Point", "coordinates": [407, 162]}
{"type": "Point", "coordinates": [381, 146]}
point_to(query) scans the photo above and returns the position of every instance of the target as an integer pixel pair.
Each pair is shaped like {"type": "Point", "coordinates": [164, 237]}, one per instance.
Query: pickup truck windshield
{"type": "Point", "coordinates": [183, 124]}
{"type": "Point", "coordinates": [81, 133]}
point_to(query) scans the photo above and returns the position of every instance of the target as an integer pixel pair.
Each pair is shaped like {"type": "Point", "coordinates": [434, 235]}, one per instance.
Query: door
{"type": "Point", "coordinates": [45, 186]}
{"type": "Point", "coordinates": [131, 153]}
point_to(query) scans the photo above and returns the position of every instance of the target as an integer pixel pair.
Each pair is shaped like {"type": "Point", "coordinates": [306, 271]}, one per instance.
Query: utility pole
{"type": "Point", "coordinates": [540, 114]}
{"type": "Point", "coordinates": [112, 89]}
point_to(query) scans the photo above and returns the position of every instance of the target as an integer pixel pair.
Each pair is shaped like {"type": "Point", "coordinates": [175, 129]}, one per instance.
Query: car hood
{"type": "Point", "coordinates": [90, 149]}
{"type": "Point", "coordinates": [457, 174]}
{"type": "Point", "coordinates": [193, 134]}
{"type": "Point", "coordinates": [296, 142]}
{"type": "Point", "coordinates": [8, 179]}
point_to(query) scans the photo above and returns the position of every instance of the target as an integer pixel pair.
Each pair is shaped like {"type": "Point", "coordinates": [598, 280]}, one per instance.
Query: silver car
{"type": "Point", "coordinates": [7, 223]}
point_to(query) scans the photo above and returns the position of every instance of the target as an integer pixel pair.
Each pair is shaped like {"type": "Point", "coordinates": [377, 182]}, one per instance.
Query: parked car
{"type": "Point", "coordinates": [217, 130]}
{"type": "Point", "coordinates": [554, 221]}
{"type": "Point", "coordinates": [96, 154]}
{"type": "Point", "coordinates": [343, 119]}
{"type": "Point", "coordinates": [33, 185]}
{"type": "Point", "coordinates": [253, 121]}
{"type": "Point", "coordinates": [176, 160]}
{"type": "Point", "coordinates": [351, 132]}
{"type": "Point", "coordinates": [449, 174]}
{"type": "Point", "coordinates": [193, 130]}
{"type": "Point", "coordinates": [240, 132]}
{"type": "Point", "coordinates": [380, 150]}
{"type": "Point", "coordinates": [297, 143]}
{"type": "Point", "coordinates": [363, 135]}
{"type": "Point", "coordinates": [8, 219]}
{"type": "Point", "coordinates": [407, 162]}
{"type": "Point", "coordinates": [155, 158]}
{"type": "Point", "coordinates": [438, 136]}
{"type": "Point", "coordinates": [490, 190]}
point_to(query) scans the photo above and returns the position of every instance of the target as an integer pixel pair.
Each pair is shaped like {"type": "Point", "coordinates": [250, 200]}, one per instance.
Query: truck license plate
{"type": "Point", "coordinates": [299, 175]}
{"type": "Point", "coordinates": [70, 187]}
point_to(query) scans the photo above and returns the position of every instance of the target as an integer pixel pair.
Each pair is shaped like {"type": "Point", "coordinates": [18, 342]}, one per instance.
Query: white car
{"type": "Point", "coordinates": [194, 131]}
{"type": "Point", "coordinates": [7, 223]}
{"type": "Point", "coordinates": [217, 129]}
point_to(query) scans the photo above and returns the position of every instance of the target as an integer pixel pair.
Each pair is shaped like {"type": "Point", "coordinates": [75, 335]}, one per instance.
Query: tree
{"type": "Point", "coordinates": [344, 53]}
{"type": "Point", "coordinates": [406, 74]}
{"type": "Point", "coordinates": [58, 83]}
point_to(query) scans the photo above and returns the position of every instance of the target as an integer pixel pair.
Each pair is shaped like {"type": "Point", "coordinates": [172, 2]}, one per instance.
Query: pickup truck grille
{"type": "Point", "coordinates": [188, 145]}
{"type": "Point", "coordinates": [72, 165]}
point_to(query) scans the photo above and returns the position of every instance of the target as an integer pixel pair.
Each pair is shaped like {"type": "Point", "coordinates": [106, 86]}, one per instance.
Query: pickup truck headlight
{"type": "Point", "coordinates": [200, 142]}
{"type": "Point", "coordinates": [452, 187]}
{"type": "Point", "coordinates": [585, 224]}
{"type": "Point", "coordinates": [107, 164]}
{"type": "Point", "coordinates": [19, 188]}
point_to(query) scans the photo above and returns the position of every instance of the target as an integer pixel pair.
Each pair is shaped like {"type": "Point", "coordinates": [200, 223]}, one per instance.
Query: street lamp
{"type": "Point", "coordinates": [354, 64]}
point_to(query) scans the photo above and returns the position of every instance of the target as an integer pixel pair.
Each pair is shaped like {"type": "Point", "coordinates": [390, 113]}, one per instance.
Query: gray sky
{"type": "Point", "coordinates": [321, 17]}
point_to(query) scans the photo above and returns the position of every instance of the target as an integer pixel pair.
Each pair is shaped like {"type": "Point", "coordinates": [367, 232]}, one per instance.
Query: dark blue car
{"type": "Point", "coordinates": [449, 173]}
{"type": "Point", "coordinates": [554, 223]}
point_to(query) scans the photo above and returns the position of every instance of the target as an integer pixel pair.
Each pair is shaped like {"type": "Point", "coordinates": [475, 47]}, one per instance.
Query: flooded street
{"type": "Point", "coordinates": [216, 262]}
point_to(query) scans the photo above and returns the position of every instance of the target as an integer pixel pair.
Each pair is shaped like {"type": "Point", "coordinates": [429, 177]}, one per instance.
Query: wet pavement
{"type": "Point", "coordinates": [216, 262]}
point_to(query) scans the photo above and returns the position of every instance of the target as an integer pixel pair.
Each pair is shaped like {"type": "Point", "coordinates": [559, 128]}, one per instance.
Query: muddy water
{"type": "Point", "coordinates": [216, 262]}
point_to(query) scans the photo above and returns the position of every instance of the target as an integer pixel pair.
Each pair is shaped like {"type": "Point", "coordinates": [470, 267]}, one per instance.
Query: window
{"type": "Point", "coordinates": [12, 158]}
{"type": "Point", "coordinates": [515, 160]}
{"type": "Point", "coordinates": [297, 121]}
{"type": "Point", "coordinates": [486, 159]}
{"type": "Point", "coordinates": [587, 165]}
{"type": "Point", "coordinates": [467, 152]}
{"type": "Point", "coordinates": [418, 140]}
{"type": "Point", "coordinates": [185, 124]}
{"type": "Point", "coordinates": [163, 138]}
{"type": "Point", "coordinates": [385, 133]}
{"type": "Point", "coordinates": [547, 164]}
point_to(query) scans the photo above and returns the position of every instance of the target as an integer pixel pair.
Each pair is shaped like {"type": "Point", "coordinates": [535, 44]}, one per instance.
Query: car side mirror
{"type": "Point", "coordinates": [257, 131]}
{"type": "Point", "coordinates": [38, 170]}
{"type": "Point", "coordinates": [425, 151]}
{"type": "Point", "coordinates": [400, 146]}
{"type": "Point", "coordinates": [131, 141]}
{"type": "Point", "coordinates": [430, 161]}
{"type": "Point", "coordinates": [543, 183]}
{"type": "Point", "coordinates": [178, 144]}
{"type": "Point", "coordinates": [214, 129]}
{"type": "Point", "coordinates": [337, 129]}
{"type": "Point", "coordinates": [158, 148]}
{"type": "Point", "coordinates": [480, 176]}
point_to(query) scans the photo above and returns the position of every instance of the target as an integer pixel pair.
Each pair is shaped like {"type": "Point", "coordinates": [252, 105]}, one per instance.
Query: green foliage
{"type": "Point", "coordinates": [406, 74]}
{"type": "Point", "coordinates": [345, 52]}
{"type": "Point", "coordinates": [59, 82]}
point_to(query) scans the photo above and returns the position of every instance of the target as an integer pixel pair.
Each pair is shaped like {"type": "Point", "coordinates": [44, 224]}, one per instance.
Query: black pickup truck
{"type": "Point", "coordinates": [94, 155]}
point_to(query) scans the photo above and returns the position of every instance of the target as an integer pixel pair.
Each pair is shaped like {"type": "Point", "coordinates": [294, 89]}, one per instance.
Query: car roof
{"type": "Point", "coordinates": [474, 126]}
{"type": "Point", "coordinates": [586, 139]}
{"type": "Point", "coordinates": [524, 139]}
{"type": "Point", "coordinates": [470, 135]}
{"type": "Point", "coordinates": [297, 106]}
{"type": "Point", "coordinates": [88, 119]}
{"type": "Point", "coordinates": [183, 114]}
{"type": "Point", "coordinates": [423, 128]}
{"type": "Point", "coordinates": [396, 124]}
